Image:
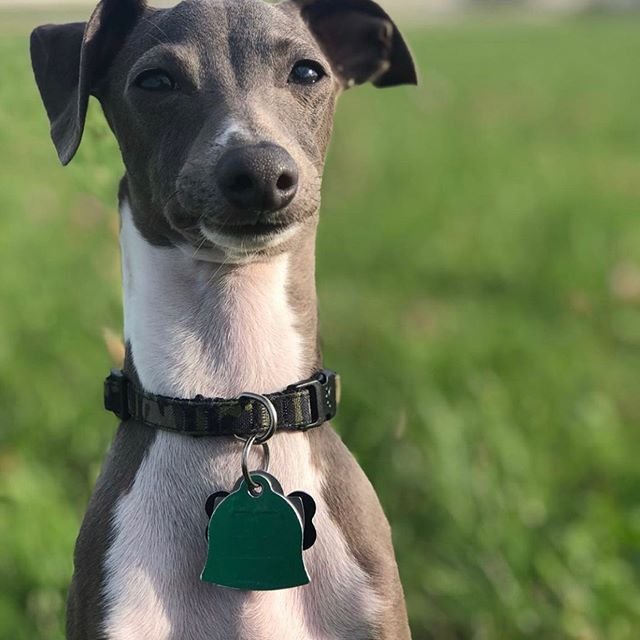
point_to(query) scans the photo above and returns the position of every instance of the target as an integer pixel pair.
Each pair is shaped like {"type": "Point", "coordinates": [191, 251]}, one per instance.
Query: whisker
{"type": "Point", "coordinates": [224, 262]}
{"type": "Point", "coordinates": [170, 198]}
{"type": "Point", "coordinates": [158, 28]}
{"type": "Point", "coordinates": [204, 239]}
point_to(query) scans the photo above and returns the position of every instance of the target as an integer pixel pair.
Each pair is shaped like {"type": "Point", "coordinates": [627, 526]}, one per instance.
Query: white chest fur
{"type": "Point", "coordinates": [194, 331]}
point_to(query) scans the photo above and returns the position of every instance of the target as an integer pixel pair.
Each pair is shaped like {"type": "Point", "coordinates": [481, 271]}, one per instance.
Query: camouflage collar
{"type": "Point", "coordinates": [299, 407]}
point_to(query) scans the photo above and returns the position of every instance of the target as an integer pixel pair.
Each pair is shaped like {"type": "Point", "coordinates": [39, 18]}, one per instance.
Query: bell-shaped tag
{"type": "Point", "coordinates": [255, 541]}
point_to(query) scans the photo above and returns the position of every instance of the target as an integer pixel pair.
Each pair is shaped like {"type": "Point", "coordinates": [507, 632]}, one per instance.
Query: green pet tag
{"type": "Point", "coordinates": [256, 539]}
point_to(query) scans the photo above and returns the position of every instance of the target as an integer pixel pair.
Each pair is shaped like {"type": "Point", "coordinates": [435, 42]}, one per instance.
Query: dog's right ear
{"type": "Point", "coordinates": [69, 60]}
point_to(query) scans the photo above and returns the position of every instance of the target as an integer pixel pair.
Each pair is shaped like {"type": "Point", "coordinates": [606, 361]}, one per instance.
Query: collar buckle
{"type": "Point", "coordinates": [323, 396]}
{"type": "Point", "coordinates": [116, 397]}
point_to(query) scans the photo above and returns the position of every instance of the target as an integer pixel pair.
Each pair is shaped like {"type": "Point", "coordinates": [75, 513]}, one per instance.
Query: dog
{"type": "Point", "coordinates": [223, 112]}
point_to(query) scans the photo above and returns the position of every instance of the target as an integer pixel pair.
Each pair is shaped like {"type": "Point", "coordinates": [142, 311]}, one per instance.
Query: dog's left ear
{"type": "Point", "coordinates": [361, 41]}
{"type": "Point", "coordinates": [69, 60]}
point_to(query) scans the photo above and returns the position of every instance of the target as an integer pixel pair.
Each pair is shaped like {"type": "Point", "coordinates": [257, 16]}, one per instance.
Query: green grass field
{"type": "Point", "coordinates": [480, 294]}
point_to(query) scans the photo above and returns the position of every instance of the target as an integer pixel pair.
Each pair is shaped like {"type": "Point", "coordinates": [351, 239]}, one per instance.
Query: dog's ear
{"type": "Point", "coordinates": [69, 60]}
{"type": "Point", "coordinates": [361, 41]}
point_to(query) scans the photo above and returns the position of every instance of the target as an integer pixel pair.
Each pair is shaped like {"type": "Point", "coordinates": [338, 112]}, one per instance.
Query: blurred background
{"type": "Point", "coordinates": [479, 276]}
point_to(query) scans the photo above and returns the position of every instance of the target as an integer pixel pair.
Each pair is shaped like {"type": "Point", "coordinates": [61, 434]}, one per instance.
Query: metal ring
{"type": "Point", "coordinates": [252, 485]}
{"type": "Point", "coordinates": [271, 412]}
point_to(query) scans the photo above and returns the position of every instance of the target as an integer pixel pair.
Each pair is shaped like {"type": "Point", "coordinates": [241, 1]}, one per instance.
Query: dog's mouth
{"type": "Point", "coordinates": [248, 238]}
{"type": "Point", "coordinates": [258, 230]}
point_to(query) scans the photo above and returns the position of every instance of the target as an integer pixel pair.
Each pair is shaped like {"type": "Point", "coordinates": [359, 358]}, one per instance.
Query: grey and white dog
{"type": "Point", "coordinates": [223, 112]}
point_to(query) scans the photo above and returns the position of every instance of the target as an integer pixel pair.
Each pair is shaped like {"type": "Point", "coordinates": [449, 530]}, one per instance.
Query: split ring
{"type": "Point", "coordinates": [252, 485]}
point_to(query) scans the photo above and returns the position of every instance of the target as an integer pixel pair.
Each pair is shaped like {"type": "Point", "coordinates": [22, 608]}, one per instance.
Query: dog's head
{"type": "Point", "coordinates": [222, 108]}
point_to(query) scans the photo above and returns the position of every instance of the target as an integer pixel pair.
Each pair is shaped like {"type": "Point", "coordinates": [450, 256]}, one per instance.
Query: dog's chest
{"type": "Point", "coordinates": [153, 590]}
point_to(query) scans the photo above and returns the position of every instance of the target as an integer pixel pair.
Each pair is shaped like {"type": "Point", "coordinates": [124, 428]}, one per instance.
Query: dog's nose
{"type": "Point", "coordinates": [261, 177]}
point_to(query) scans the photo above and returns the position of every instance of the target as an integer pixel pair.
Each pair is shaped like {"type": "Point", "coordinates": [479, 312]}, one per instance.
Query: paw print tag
{"type": "Point", "coordinates": [256, 538]}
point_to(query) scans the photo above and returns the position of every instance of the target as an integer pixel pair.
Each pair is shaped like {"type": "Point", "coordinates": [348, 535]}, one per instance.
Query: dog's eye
{"type": "Point", "coordinates": [156, 80]}
{"type": "Point", "coordinates": [307, 72]}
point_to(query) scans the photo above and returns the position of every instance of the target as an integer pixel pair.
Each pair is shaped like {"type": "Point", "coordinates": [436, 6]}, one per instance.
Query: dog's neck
{"type": "Point", "coordinates": [199, 328]}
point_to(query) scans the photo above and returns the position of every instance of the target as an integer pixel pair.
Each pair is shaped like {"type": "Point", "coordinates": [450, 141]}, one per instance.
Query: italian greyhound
{"type": "Point", "coordinates": [223, 111]}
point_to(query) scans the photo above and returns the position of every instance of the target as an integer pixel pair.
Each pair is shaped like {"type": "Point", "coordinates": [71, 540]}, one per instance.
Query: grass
{"type": "Point", "coordinates": [480, 292]}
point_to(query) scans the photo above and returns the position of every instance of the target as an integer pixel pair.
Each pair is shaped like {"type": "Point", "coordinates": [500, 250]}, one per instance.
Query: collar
{"type": "Point", "coordinates": [300, 407]}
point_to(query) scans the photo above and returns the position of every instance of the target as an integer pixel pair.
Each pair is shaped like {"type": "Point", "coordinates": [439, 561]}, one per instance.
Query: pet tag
{"type": "Point", "coordinates": [255, 538]}
{"type": "Point", "coordinates": [305, 505]}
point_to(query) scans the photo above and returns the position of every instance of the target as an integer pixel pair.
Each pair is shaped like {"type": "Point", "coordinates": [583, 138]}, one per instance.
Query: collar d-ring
{"type": "Point", "coordinates": [271, 412]}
